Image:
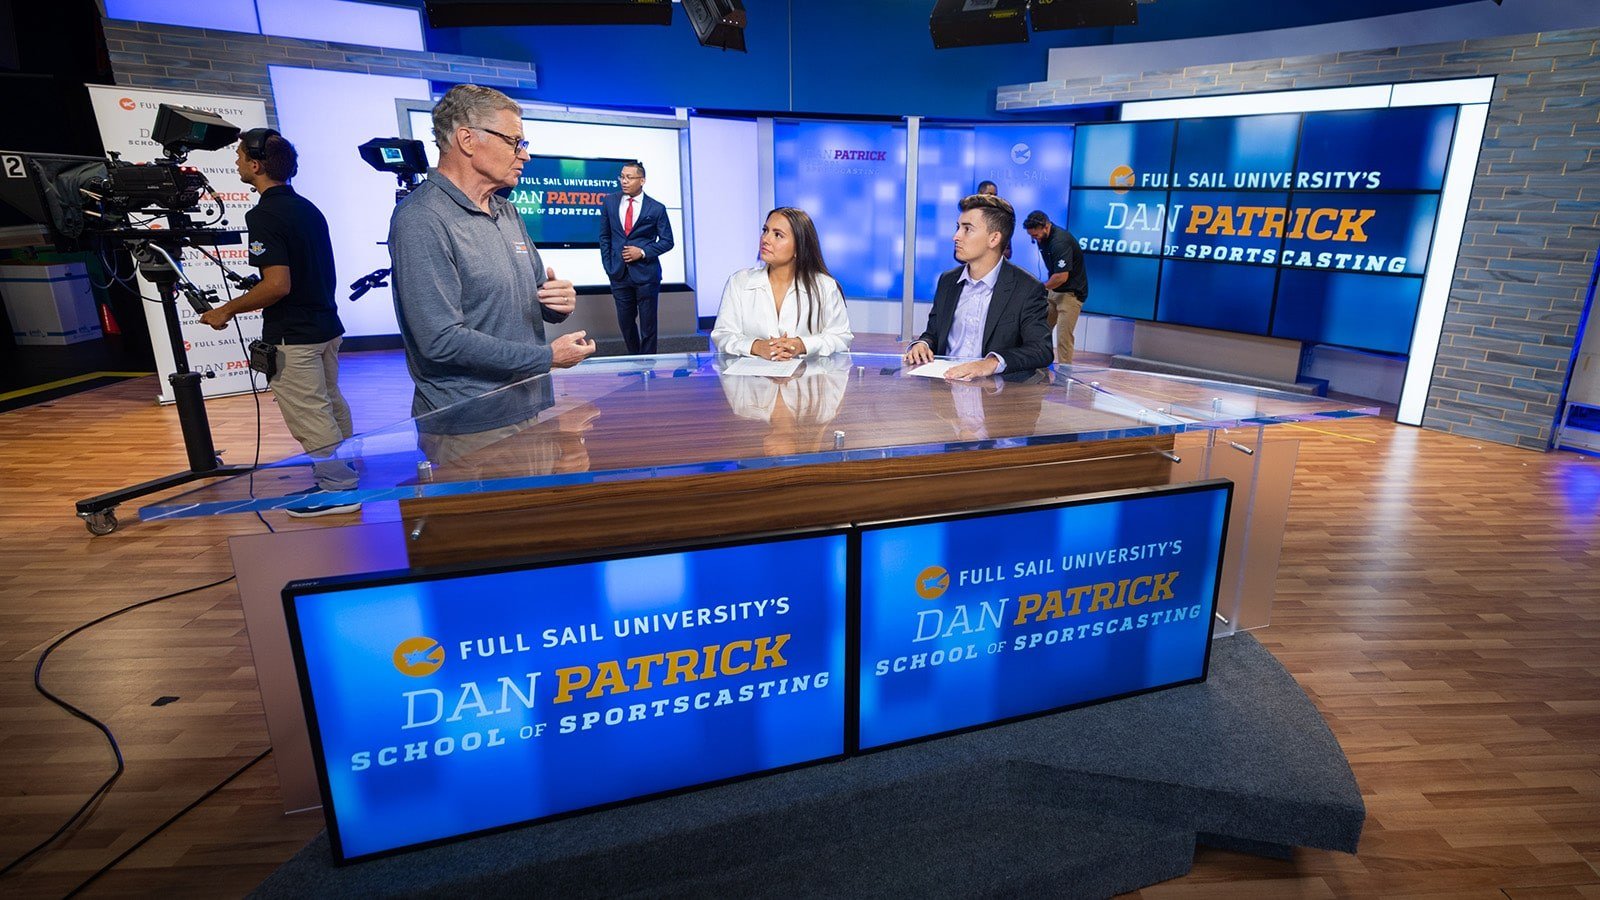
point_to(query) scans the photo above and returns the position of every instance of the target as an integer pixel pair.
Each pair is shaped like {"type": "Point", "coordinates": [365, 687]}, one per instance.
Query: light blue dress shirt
{"type": "Point", "coordinates": [972, 311]}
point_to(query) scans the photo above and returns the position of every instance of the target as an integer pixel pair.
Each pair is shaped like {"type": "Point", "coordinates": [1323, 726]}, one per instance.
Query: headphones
{"type": "Point", "coordinates": [255, 140]}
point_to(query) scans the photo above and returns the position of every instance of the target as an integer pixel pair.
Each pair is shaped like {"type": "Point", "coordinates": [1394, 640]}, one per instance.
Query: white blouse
{"type": "Point", "coordinates": [749, 313]}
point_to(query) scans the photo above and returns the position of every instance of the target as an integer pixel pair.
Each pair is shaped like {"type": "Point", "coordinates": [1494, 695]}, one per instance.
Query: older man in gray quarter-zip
{"type": "Point", "coordinates": [470, 291]}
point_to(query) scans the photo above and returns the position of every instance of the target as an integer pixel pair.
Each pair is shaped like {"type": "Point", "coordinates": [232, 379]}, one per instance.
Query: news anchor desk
{"type": "Point", "coordinates": [635, 451]}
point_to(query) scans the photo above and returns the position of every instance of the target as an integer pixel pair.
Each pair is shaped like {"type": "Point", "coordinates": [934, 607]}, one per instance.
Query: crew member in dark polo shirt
{"type": "Point", "coordinates": [289, 244]}
{"type": "Point", "coordinates": [1068, 284]}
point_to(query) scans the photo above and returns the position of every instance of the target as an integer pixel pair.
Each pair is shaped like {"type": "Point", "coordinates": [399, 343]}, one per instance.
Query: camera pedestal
{"type": "Point", "coordinates": [99, 513]}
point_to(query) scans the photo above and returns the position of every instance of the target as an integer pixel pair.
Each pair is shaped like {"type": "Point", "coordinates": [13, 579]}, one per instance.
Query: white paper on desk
{"type": "Point", "coordinates": [937, 368]}
{"type": "Point", "coordinates": [750, 365]}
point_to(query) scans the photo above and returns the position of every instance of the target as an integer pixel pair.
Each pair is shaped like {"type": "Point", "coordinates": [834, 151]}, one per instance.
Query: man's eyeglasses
{"type": "Point", "coordinates": [518, 144]}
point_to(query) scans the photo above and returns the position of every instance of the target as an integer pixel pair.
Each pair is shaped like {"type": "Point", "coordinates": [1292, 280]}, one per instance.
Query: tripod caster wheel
{"type": "Point", "coordinates": [100, 523]}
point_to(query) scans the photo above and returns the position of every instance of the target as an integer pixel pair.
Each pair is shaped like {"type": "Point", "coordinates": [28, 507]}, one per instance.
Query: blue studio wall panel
{"type": "Point", "coordinates": [636, 66]}
{"type": "Point", "coordinates": [1123, 285]}
{"type": "Point", "coordinates": [1123, 155]}
{"type": "Point", "coordinates": [343, 21]}
{"type": "Point", "coordinates": [221, 15]}
{"type": "Point", "coordinates": [946, 161]}
{"type": "Point", "coordinates": [1031, 166]}
{"type": "Point", "coordinates": [851, 178]}
{"type": "Point", "coordinates": [1253, 152]}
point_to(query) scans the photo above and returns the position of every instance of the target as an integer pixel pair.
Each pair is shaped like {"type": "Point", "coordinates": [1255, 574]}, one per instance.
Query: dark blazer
{"type": "Point", "coordinates": [651, 233]}
{"type": "Point", "coordinates": [1018, 325]}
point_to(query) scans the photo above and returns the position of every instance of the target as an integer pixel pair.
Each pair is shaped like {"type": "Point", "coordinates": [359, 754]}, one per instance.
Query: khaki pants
{"type": "Point", "coordinates": [451, 449]}
{"type": "Point", "coordinates": [1064, 309]}
{"type": "Point", "coordinates": [307, 388]}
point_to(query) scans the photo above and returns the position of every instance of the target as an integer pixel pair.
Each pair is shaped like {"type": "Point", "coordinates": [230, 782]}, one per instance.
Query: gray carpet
{"type": "Point", "coordinates": [1086, 803]}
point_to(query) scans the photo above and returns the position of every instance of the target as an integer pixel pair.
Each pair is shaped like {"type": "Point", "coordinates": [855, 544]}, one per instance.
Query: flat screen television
{"type": "Point", "coordinates": [446, 704]}
{"type": "Point", "coordinates": [974, 619]}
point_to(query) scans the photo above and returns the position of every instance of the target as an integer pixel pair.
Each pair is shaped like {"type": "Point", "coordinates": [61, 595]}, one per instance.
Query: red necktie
{"type": "Point", "coordinates": [627, 218]}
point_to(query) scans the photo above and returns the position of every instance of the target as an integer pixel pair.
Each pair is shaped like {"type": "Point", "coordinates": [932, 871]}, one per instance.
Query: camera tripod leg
{"type": "Point", "coordinates": [99, 512]}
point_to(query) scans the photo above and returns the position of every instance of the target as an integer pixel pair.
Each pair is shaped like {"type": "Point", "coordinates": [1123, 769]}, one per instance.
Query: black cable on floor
{"type": "Point", "coordinates": [116, 749]}
{"type": "Point", "coordinates": [255, 392]}
{"type": "Point", "coordinates": [163, 826]}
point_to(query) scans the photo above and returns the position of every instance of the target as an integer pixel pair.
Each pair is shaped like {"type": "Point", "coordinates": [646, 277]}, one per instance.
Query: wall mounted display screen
{"type": "Point", "coordinates": [574, 165]}
{"type": "Point", "coordinates": [1031, 166]}
{"type": "Point", "coordinates": [966, 621]}
{"type": "Point", "coordinates": [560, 199]}
{"type": "Point", "coordinates": [850, 177]}
{"type": "Point", "coordinates": [1311, 226]}
{"type": "Point", "coordinates": [460, 703]}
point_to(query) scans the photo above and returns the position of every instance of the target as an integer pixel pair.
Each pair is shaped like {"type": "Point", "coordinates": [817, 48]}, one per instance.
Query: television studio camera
{"type": "Point", "coordinates": [88, 203]}
{"type": "Point", "coordinates": [407, 160]}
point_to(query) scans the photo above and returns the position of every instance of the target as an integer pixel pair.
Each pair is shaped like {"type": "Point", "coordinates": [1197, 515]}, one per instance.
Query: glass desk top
{"type": "Point", "coordinates": [626, 418]}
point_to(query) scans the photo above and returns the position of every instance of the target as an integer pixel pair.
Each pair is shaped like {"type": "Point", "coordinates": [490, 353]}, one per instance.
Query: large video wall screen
{"type": "Point", "coordinates": [1309, 226]}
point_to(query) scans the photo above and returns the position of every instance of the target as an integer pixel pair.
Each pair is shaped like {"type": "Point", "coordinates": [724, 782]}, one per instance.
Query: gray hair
{"type": "Point", "coordinates": [466, 105]}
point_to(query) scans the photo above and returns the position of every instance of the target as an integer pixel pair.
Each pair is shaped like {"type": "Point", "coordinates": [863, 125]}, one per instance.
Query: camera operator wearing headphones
{"type": "Point", "coordinates": [289, 244]}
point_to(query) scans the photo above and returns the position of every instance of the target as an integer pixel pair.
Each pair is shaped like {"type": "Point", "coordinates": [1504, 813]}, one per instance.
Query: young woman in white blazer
{"type": "Point", "coordinates": [789, 306]}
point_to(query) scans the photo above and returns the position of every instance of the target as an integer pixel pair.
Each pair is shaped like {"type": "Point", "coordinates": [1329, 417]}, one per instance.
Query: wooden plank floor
{"type": "Point", "coordinates": [1439, 599]}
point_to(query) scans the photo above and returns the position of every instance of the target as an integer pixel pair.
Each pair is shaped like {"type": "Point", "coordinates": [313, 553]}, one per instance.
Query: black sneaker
{"type": "Point", "coordinates": [312, 509]}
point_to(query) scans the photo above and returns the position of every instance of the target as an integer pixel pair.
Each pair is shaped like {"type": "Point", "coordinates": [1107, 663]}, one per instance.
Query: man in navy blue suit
{"type": "Point", "coordinates": [987, 312]}
{"type": "Point", "coordinates": [634, 232]}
